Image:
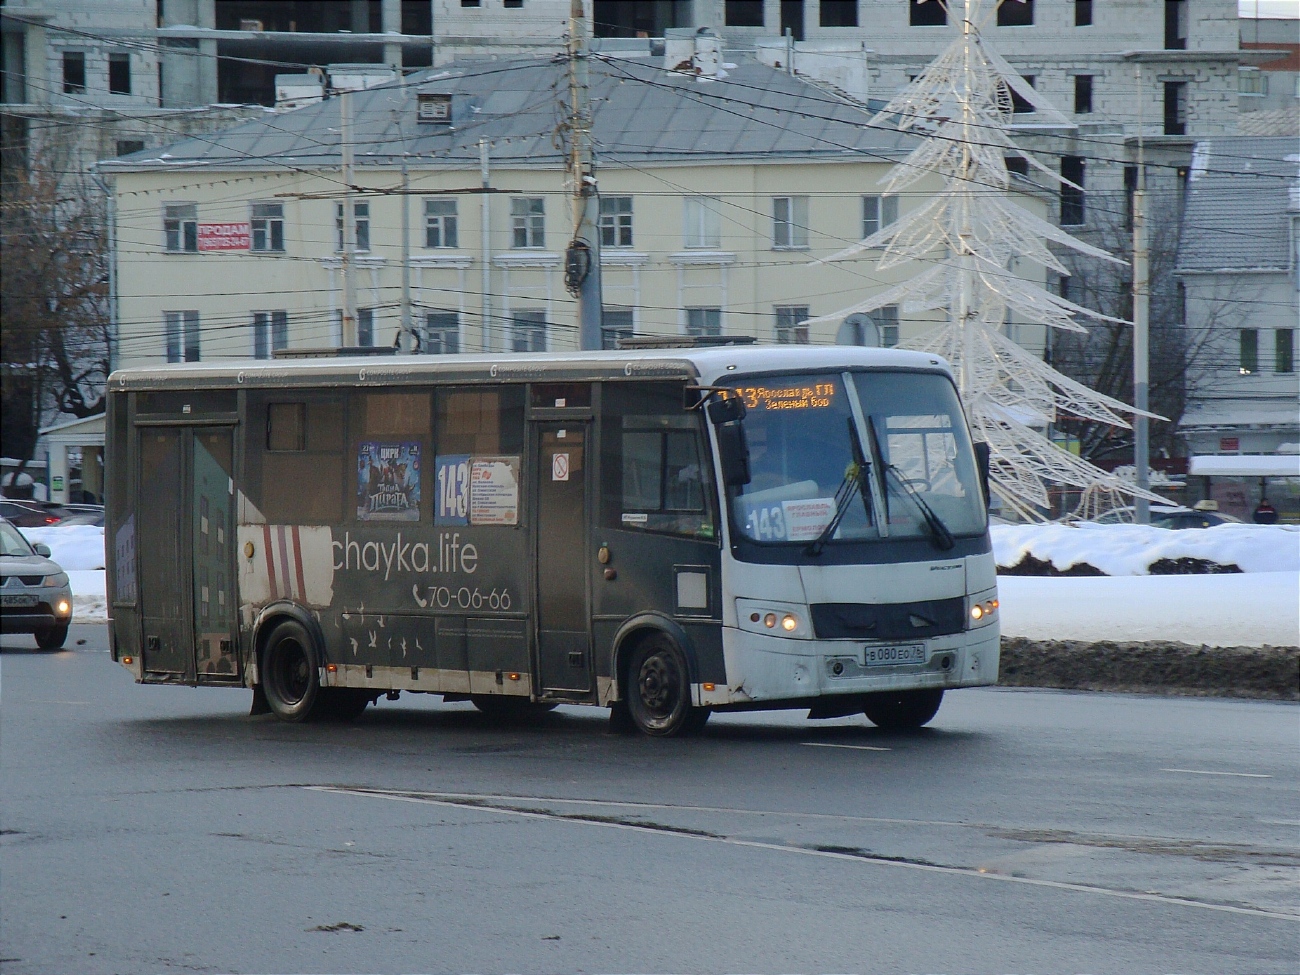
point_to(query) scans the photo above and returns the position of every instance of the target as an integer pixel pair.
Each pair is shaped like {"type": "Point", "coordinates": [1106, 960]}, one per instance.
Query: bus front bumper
{"type": "Point", "coordinates": [770, 668]}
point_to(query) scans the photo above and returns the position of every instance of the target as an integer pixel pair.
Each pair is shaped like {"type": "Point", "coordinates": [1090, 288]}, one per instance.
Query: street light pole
{"type": "Point", "coordinates": [582, 258]}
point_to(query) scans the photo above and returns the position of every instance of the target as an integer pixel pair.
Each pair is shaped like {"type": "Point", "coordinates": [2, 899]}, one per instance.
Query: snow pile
{"type": "Point", "coordinates": [74, 547]}
{"type": "Point", "coordinates": [1128, 550]}
{"type": "Point", "coordinates": [1248, 610]}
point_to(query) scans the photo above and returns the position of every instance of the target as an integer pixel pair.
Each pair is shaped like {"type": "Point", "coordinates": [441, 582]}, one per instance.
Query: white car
{"type": "Point", "coordinates": [34, 593]}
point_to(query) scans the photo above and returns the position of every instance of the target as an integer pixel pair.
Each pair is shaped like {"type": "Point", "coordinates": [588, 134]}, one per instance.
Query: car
{"type": "Point", "coordinates": [35, 596]}
{"type": "Point", "coordinates": [45, 514]}
{"type": "Point", "coordinates": [1167, 516]}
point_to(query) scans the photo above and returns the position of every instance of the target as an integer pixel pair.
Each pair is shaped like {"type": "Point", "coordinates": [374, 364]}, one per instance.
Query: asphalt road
{"type": "Point", "coordinates": [158, 829]}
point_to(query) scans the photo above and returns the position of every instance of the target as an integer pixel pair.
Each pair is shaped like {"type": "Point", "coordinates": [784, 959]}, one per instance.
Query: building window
{"type": "Point", "coordinates": [513, 4]}
{"type": "Point", "coordinates": [181, 227]}
{"type": "Point", "coordinates": [1252, 81]}
{"type": "Point", "coordinates": [119, 74]}
{"type": "Point", "coordinates": [441, 333]}
{"type": "Point", "coordinates": [839, 13]}
{"type": "Point", "coordinates": [877, 212]}
{"type": "Point", "coordinates": [74, 72]}
{"type": "Point", "coordinates": [886, 320]}
{"type": "Point", "coordinates": [127, 146]}
{"type": "Point", "coordinates": [616, 221]}
{"type": "Point", "coordinates": [789, 331]}
{"type": "Point", "coordinates": [1083, 94]}
{"type": "Point", "coordinates": [182, 331]}
{"type": "Point", "coordinates": [1017, 166]}
{"type": "Point", "coordinates": [268, 227]}
{"type": "Point", "coordinates": [703, 321]}
{"type": "Point", "coordinates": [528, 331]}
{"type": "Point", "coordinates": [1248, 359]}
{"type": "Point", "coordinates": [1175, 108]}
{"type": "Point", "coordinates": [1072, 197]}
{"type": "Point", "coordinates": [1284, 350]}
{"type": "Point", "coordinates": [471, 3]}
{"type": "Point", "coordinates": [1020, 105]}
{"type": "Point", "coordinates": [744, 13]}
{"type": "Point", "coordinates": [366, 327]}
{"type": "Point", "coordinates": [702, 222]}
{"type": "Point", "coordinates": [615, 324]}
{"type": "Point", "coordinates": [926, 13]}
{"type": "Point", "coordinates": [440, 228]}
{"type": "Point", "coordinates": [1175, 25]}
{"type": "Point", "coordinates": [789, 222]}
{"type": "Point", "coordinates": [1016, 13]}
{"type": "Point", "coordinates": [361, 221]}
{"type": "Point", "coordinates": [270, 332]}
{"type": "Point", "coordinates": [1082, 13]}
{"type": "Point", "coordinates": [528, 220]}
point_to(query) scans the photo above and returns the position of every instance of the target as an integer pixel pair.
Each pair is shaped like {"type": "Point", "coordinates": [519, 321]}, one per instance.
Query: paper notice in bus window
{"type": "Point", "coordinates": [494, 491]}
{"type": "Point", "coordinates": [451, 481]}
{"type": "Point", "coordinates": [388, 481]}
{"type": "Point", "coordinates": [806, 520]}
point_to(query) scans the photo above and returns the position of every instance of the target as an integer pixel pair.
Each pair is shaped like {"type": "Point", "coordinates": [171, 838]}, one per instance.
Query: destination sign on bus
{"type": "Point", "coordinates": [815, 396]}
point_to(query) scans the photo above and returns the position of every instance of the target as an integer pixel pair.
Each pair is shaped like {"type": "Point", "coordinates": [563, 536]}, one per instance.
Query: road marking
{"type": "Point", "coordinates": [972, 872]}
{"type": "Point", "coordinates": [861, 748]}
{"type": "Point", "coordinates": [1197, 771]}
{"type": "Point", "coordinates": [1280, 822]}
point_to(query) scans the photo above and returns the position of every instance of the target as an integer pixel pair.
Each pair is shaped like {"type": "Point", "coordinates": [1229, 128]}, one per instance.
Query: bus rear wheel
{"type": "Point", "coordinates": [902, 710]}
{"type": "Point", "coordinates": [289, 675]}
{"type": "Point", "coordinates": [659, 690]}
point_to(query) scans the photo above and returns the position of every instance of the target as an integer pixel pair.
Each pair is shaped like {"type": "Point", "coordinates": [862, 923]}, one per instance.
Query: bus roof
{"type": "Point", "coordinates": [704, 365]}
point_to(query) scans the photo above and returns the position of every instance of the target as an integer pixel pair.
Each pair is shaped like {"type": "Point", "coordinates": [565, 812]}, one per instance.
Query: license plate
{"type": "Point", "coordinates": [912, 653]}
{"type": "Point", "coordinates": [17, 599]}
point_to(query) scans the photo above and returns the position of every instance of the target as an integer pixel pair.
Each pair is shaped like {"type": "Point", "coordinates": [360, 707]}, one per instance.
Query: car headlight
{"type": "Point", "coordinates": [55, 581]}
{"type": "Point", "coordinates": [773, 618]}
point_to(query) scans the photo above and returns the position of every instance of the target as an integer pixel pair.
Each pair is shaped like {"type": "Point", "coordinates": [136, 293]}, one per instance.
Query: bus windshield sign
{"type": "Point", "coordinates": [813, 396]}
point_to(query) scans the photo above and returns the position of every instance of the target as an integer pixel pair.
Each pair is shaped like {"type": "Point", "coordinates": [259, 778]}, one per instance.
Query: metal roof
{"type": "Point", "coordinates": [642, 113]}
{"type": "Point", "coordinates": [1242, 194]}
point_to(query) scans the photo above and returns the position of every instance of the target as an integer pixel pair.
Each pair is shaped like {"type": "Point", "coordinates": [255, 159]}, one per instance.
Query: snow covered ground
{"type": "Point", "coordinates": [1260, 606]}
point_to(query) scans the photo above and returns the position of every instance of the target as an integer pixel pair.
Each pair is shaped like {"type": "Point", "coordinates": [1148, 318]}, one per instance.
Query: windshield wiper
{"type": "Point", "coordinates": [942, 537]}
{"type": "Point", "coordinates": [854, 475]}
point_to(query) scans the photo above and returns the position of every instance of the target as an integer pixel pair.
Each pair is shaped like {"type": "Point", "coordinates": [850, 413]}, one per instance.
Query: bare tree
{"type": "Point", "coordinates": [54, 304]}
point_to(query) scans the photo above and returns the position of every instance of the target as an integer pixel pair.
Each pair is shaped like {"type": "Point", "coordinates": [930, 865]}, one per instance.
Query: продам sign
{"type": "Point", "coordinates": [224, 237]}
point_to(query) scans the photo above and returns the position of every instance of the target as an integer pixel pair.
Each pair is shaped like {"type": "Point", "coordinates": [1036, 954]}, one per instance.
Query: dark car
{"type": "Point", "coordinates": [34, 593]}
{"type": "Point", "coordinates": [45, 514]}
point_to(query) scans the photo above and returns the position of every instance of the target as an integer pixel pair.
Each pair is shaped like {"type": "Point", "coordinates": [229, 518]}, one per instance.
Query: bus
{"type": "Point", "coordinates": [665, 533]}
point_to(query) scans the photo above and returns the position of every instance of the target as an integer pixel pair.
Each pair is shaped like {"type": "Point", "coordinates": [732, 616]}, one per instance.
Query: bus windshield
{"type": "Point", "coordinates": [903, 469]}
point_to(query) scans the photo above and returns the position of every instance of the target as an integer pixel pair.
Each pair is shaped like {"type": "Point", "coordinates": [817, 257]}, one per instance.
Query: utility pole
{"type": "Point", "coordinates": [582, 257]}
{"type": "Point", "coordinates": [485, 247]}
{"type": "Point", "coordinates": [350, 338]}
{"type": "Point", "coordinates": [1141, 313]}
{"type": "Point", "coordinates": [406, 338]}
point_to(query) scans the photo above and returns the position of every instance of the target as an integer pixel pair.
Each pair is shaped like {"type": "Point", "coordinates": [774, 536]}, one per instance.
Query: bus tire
{"type": "Point", "coordinates": [290, 677]}
{"type": "Point", "coordinates": [902, 710]}
{"type": "Point", "coordinates": [659, 689]}
{"type": "Point", "coordinates": [52, 637]}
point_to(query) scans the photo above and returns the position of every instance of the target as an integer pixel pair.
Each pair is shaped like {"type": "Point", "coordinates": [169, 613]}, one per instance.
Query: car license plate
{"type": "Point", "coordinates": [912, 653]}
{"type": "Point", "coordinates": [17, 599]}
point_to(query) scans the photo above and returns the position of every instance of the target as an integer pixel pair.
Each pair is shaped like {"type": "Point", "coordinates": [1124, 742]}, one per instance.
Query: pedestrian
{"type": "Point", "coordinates": [1265, 513]}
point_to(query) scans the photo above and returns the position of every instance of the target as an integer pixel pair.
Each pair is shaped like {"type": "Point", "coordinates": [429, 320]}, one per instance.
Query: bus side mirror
{"type": "Point", "coordinates": [733, 450]}
{"type": "Point", "coordinates": [729, 410]}
{"type": "Point", "coordinates": [982, 462]}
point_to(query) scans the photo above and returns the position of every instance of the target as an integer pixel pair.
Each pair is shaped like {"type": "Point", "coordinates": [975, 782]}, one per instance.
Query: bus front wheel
{"type": "Point", "coordinates": [289, 675]}
{"type": "Point", "coordinates": [659, 690]}
{"type": "Point", "coordinates": [902, 710]}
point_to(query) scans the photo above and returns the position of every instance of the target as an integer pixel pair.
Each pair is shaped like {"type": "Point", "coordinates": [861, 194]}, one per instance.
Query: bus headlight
{"type": "Point", "coordinates": [982, 609]}
{"type": "Point", "coordinates": [773, 618]}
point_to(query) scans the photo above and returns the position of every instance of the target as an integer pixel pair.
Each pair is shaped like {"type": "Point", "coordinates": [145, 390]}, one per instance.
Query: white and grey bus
{"type": "Point", "coordinates": [664, 533]}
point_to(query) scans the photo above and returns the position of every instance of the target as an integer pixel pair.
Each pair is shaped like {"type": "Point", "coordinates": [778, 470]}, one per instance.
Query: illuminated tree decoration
{"type": "Point", "coordinates": [972, 234]}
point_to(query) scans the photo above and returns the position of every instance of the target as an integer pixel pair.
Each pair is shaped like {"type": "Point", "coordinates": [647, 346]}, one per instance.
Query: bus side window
{"type": "Point", "coordinates": [479, 445]}
{"type": "Point", "coordinates": [295, 471]}
{"type": "Point", "coordinates": [654, 470]}
{"type": "Point", "coordinates": [390, 436]}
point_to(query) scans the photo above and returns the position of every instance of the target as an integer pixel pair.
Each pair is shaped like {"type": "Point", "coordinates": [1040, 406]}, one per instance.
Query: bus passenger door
{"type": "Point", "coordinates": [563, 611]}
{"type": "Point", "coordinates": [211, 521]}
{"type": "Point", "coordinates": [164, 592]}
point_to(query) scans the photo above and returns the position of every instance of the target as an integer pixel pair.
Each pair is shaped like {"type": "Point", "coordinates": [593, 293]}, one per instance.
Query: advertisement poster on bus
{"type": "Point", "coordinates": [451, 482]}
{"type": "Point", "coordinates": [225, 236]}
{"type": "Point", "coordinates": [388, 481]}
{"type": "Point", "coordinates": [494, 491]}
